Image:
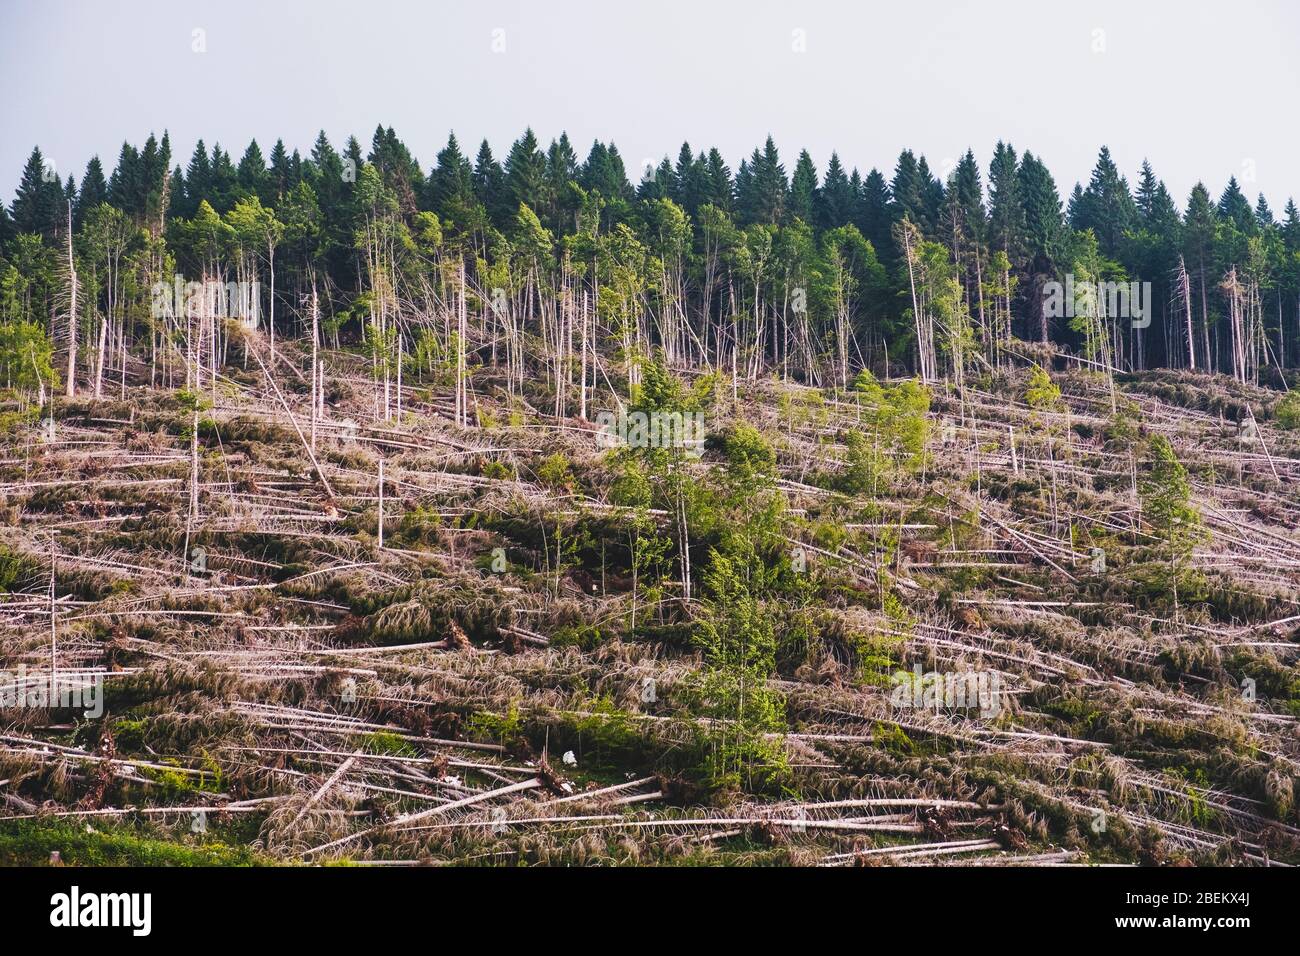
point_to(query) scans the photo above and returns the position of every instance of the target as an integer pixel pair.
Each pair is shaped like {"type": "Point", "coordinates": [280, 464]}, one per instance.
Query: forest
{"type": "Point", "coordinates": [545, 511]}
{"type": "Point", "coordinates": [812, 275]}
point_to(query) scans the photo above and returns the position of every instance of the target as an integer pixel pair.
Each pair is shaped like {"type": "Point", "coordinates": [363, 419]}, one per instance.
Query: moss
{"type": "Point", "coordinates": [178, 783]}
{"type": "Point", "coordinates": [129, 734]}
{"type": "Point", "coordinates": [387, 742]}
{"type": "Point", "coordinates": [607, 736]}
{"type": "Point", "coordinates": [893, 739]}
{"type": "Point", "coordinates": [1082, 715]}
{"type": "Point", "coordinates": [585, 636]}
{"type": "Point", "coordinates": [501, 728]}
{"type": "Point", "coordinates": [30, 843]}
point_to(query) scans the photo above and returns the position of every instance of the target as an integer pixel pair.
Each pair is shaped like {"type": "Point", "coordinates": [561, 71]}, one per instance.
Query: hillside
{"type": "Point", "coordinates": [565, 652]}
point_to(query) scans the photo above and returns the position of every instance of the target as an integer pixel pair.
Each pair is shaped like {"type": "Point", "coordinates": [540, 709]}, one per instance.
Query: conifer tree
{"type": "Point", "coordinates": [38, 199]}
{"type": "Point", "coordinates": [803, 189]}
{"type": "Point", "coordinates": [1106, 206]}
{"type": "Point", "coordinates": [1006, 205]}
{"type": "Point", "coordinates": [525, 172]}
{"type": "Point", "coordinates": [836, 200]}
{"type": "Point", "coordinates": [94, 190]}
{"type": "Point", "coordinates": [874, 216]}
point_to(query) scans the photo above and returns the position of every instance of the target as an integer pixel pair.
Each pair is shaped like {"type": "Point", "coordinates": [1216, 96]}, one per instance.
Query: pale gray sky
{"type": "Point", "coordinates": [1205, 90]}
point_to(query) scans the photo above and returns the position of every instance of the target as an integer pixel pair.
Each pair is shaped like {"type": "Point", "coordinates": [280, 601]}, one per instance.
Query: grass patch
{"type": "Point", "coordinates": [30, 843]}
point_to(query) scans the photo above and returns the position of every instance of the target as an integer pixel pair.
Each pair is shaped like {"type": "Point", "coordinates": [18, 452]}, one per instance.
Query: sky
{"type": "Point", "coordinates": [1203, 90]}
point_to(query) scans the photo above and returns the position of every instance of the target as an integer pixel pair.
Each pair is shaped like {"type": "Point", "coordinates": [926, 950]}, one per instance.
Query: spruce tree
{"type": "Point", "coordinates": [39, 198]}
{"type": "Point", "coordinates": [761, 187]}
{"type": "Point", "coordinates": [1006, 205]}
{"type": "Point", "coordinates": [126, 187]}
{"type": "Point", "coordinates": [965, 203]}
{"type": "Point", "coordinates": [1145, 195]}
{"type": "Point", "coordinates": [1044, 223]}
{"type": "Point", "coordinates": [525, 173]}
{"type": "Point", "coordinates": [803, 190]}
{"type": "Point", "coordinates": [280, 174]}
{"type": "Point", "coordinates": [837, 198]}
{"type": "Point", "coordinates": [94, 190]}
{"type": "Point", "coordinates": [720, 188]}
{"type": "Point", "coordinates": [449, 187]}
{"type": "Point", "coordinates": [224, 183]}
{"type": "Point", "coordinates": [910, 193]}
{"type": "Point", "coordinates": [490, 185]}
{"type": "Point", "coordinates": [874, 216]}
{"type": "Point", "coordinates": [931, 194]}
{"type": "Point", "coordinates": [690, 177]}
{"type": "Point", "coordinates": [252, 176]}
{"type": "Point", "coordinates": [1263, 214]}
{"type": "Point", "coordinates": [1291, 226]}
{"type": "Point", "coordinates": [1106, 206]}
{"type": "Point", "coordinates": [1234, 207]}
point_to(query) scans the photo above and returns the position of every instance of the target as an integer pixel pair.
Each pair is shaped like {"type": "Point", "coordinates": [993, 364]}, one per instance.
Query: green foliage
{"type": "Point", "coordinates": [1166, 494]}
{"type": "Point", "coordinates": [556, 473]}
{"type": "Point", "coordinates": [737, 635]}
{"type": "Point", "coordinates": [875, 657]}
{"type": "Point", "coordinates": [585, 636]}
{"type": "Point", "coordinates": [741, 509]}
{"type": "Point", "coordinates": [1287, 411]}
{"type": "Point", "coordinates": [504, 728]}
{"type": "Point", "coordinates": [899, 417]}
{"type": "Point", "coordinates": [893, 739]}
{"type": "Point", "coordinates": [607, 731]}
{"type": "Point", "coordinates": [30, 843]}
{"type": "Point", "coordinates": [190, 401]}
{"type": "Point", "coordinates": [1124, 428]}
{"type": "Point", "coordinates": [15, 569]}
{"type": "Point", "coordinates": [254, 226]}
{"type": "Point", "coordinates": [631, 486]}
{"type": "Point", "coordinates": [387, 742]}
{"type": "Point", "coordinates": [178, 783]}
{"type": "Point", "coordinates": [747, 454]}
{"type": "Point", "coordinates": [905, 420]}
{"type": "Point", "coordinates": [738, 642]}
{"type": "Point", "coordinates": [864, 465]}
{"type": "Point", "coordinates": [26, 358]}
{"type": "Point", "coordinates": [868, 385]}
{"type": "Point", "coordinates": [1042, 394]}
{"type": "Point", "coordinates": [498, 469]}
{"type": "Point", "coordinates": [420, 525]}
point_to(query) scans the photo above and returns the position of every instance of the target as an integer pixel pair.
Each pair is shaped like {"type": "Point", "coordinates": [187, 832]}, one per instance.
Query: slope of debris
{"type": "Point", "coordinates": [516, 677]}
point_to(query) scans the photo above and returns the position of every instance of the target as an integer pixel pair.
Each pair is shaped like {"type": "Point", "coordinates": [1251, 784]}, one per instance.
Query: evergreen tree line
{"type": "Point", "coordinates": [544, 261]}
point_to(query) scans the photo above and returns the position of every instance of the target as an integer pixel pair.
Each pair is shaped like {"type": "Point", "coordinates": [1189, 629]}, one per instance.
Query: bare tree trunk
{"type": "Point", "coordinates": [270, 323]}
{"type": "Point", "coordinates": [462, 327]}
{"type": "Point", "coordinates": [582, 392]}
{"type": "Point", "coordinates": [315, 369]}
{"type": "Point", "coordinates": [102, 357]}
{"type": "Point", "coordinates": [1185, 295]}
{"type": "Point", "coordinates": [71, 385]}
{"type": "Point", "coordinates": [381, 504]}
{"type": "Point", "coordinates": [194, 464]}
